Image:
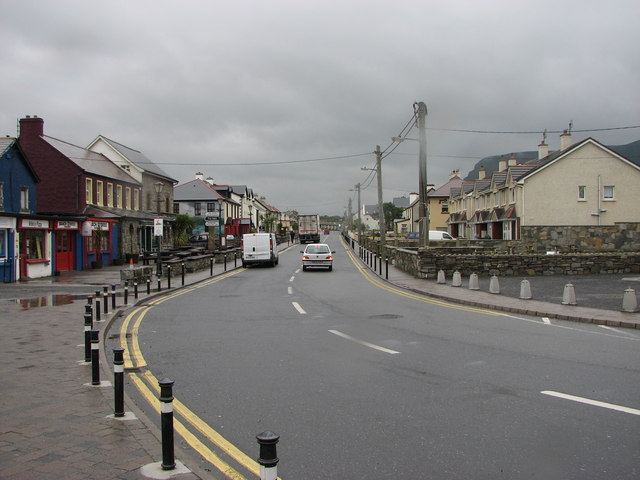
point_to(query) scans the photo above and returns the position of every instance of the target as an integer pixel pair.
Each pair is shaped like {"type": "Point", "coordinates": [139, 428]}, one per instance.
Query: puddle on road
{"type": "Point", "coordinates": [48, 301]}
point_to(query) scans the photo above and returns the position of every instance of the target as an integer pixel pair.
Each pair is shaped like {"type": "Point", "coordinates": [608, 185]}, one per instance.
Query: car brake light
{"type": "Point", "coordinates": [305, 257]}
{"type": "Point", "coordinates": [329, 257]}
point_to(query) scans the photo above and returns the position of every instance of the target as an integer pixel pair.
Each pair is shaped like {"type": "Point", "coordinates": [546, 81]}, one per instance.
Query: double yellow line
{"type": "Point", "coordinates": [375, 280]}
{"type": "Point", "coordinates": [147, 385]}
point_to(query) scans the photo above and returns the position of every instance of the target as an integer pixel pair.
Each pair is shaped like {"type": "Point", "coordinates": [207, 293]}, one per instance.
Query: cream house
{"type": "Point", "coordinates": [582, 184]}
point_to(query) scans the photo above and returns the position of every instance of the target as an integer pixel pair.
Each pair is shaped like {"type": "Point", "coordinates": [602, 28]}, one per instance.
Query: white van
{"type": "Point", "coordinates": [438, 235]}
{"type": "Point", "coordinates": [259, 248]}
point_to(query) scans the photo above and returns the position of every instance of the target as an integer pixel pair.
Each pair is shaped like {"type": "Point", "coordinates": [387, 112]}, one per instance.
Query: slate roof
{"type": "Point", "coordinates": [196, 190]}
{"type": "Point", "coordinates": [138, 158]}
{"type": "Point", "coordinates": [90, 162]}
{"type": "Point", "coordinates": [5, 144]}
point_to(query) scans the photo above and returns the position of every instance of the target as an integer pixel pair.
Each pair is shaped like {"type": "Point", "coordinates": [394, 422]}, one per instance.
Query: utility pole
{"type": "Point", "coordinates": [423, 206]}
{"type": "Point", "coordinates": [350, 214]}
{"type": "Point", "coordinates": [359, 214]}
{"type": "Point", "coordinates": [381, 220]}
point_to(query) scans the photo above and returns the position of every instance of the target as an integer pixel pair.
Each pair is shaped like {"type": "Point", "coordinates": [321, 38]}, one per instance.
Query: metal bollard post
{"type": "Point", "coordinates": [118, 381]}
{"type": "Point", "coordinates": [135, 289]}
{"type": "Point", "coordinates": [386, 269]}
{"type": "Point", "coordinates": [235, 259]}
{"type": "Point", "coordinates": [183, 274]}
{"type": "Point", "coordinates": [95, 357]}
{"type": "Point", "coordinates": [148, 285]}
{"type": "Point", "coordinates": [126, 293]}
{"type": "Point", "coordinates": [159, 283]}
{"type": "Point", "coordinates": [113, 297]}
{"type": "Point", "coordinates": [97, 309]}
{"type": "Point", "coordinates": [166, 407]}
{"type": "Point", "coordinates": [168, 276]}
{"type": "Point", "coordinates": [88, 326]}
{"type": "Point", "coordinates": [211, 266]}
{"type": "Point", "coordinates": [105, 299]}
{"type": "Point", "coordinates": [225, 262]}
{"type": "Point", "coordinates": [268, 459]}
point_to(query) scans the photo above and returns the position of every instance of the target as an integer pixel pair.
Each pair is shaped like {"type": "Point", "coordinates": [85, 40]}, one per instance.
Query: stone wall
{"type": "Point", "coordinates": [622, 237]}
{"type": "Point", "coordinates": [430, 262]}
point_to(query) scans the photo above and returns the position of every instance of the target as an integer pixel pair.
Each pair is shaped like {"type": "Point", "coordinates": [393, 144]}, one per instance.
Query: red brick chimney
{"type": "Point", "coordinates": [31, 127]}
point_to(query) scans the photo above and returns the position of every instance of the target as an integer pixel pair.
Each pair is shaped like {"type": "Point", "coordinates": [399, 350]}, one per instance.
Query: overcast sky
{"type": "Point", "coordinates": [220, 87]}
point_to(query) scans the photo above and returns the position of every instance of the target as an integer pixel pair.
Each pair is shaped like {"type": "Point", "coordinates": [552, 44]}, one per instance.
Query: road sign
{"type": "Point", "coordinates": [157, 227]}
{"type": "Point", "coordinates": [211, 219]}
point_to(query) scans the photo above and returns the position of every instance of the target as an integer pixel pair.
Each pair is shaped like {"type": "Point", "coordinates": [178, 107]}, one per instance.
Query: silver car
{"type": "Point", "coordinates": [317, 255]}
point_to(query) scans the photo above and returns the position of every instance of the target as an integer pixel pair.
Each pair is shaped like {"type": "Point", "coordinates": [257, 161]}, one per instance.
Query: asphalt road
{"type": "Point", "coordinates": [361, 380]}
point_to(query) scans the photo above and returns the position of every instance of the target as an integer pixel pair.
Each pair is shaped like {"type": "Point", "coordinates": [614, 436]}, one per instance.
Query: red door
{"type": "Point", "coordinates": [64, 250]}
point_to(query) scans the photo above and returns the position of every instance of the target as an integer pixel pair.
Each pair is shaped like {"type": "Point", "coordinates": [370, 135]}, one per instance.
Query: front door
{"type": "Point", "coordinates": [64, 250]}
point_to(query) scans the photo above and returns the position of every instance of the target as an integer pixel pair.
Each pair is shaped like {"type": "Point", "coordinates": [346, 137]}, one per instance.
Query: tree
{"type": "Point", "coordinates": [391, 212]}
{"type": "Point", "coordinates": [183, 227]}
{"type": "Point", "coordinates": [267, 221]}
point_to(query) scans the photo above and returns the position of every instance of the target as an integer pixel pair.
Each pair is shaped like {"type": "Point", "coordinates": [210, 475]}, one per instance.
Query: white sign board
{"type": "Point", "coordinates": [157, 227]}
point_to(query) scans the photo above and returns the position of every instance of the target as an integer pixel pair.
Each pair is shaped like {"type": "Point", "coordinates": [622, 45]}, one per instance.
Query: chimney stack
{"type": "Point", "coordinates": [502, 164]}
{"type": "Point", "coordinates": [482, 173]}
{"type": "Point", "coordinates": [543, 150]}
{"type": "Point", "coordinates": [199, 176]}
{"type": "Point", "coordinates": [31, 127]}
{"type": "Point", "coordinates": [210, 180]}
{"type": "Point", "coordinates": [454, 174]}
{"type": "Point", "coordinates": [565, 140]}
{"type": "Point", "coordinates": [513, 161]}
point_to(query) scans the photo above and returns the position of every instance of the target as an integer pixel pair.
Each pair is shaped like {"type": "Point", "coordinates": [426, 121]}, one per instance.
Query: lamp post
{"type": "Point", "coordinates": [381, 219]}
{"type": "Point", "coordinates": [158, 186]}
{"type": "Point", "coordinates": [423, 207]}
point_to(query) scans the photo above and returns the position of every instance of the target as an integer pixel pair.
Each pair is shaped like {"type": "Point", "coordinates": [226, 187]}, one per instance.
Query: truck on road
{"type": "Point", "coordinates": [309, 228]}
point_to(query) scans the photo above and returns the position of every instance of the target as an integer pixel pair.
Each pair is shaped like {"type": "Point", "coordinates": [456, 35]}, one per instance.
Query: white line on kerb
{"type": "Point", "coordinates": [361, 342]}
{"type": "Point", "coordinates": [595, 403]}
{"type": "Point", "coordinates": [546, 320]}
{"type": "Point", "coordinates": [617, 330]}
{"type": "Point", "coordinates": [297, 306]}
{"type": "Point", "coordinates": [291, 279]}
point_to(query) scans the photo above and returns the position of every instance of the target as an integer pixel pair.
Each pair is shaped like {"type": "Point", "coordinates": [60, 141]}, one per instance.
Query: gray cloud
{"type": "Point", "coordinates": [242, 82]}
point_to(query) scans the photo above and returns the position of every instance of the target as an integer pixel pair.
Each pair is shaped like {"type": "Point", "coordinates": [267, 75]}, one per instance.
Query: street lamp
{"type": "Point", "coordinates": [423, 208]}
{"type": "Point", "coordinates": [158, 186]}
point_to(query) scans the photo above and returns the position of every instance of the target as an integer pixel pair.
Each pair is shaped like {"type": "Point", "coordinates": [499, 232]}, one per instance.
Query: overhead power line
{"type": "Point", "coordinates": [532, 132]}
{"type": "Point", "coordinates": [242, 164]}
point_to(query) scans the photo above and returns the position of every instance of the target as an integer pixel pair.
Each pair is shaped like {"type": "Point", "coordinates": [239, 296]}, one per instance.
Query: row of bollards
{"type": "Point", "coordinates": [372, 259]}
{"type": "Point", "coordinates": [629, 300]}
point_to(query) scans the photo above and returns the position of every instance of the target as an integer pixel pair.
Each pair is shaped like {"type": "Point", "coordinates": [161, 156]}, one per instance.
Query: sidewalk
{"type": "Point", "coordinates": [55, 426]}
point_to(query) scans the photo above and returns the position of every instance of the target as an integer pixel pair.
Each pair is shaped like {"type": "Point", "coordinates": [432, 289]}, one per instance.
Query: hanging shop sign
{"type": "Point", "coordinates": [33, 223]}
{"type": "Point", "coordinates": [157, 227]}
{"type": "Point", "coordinates": [66, 225]}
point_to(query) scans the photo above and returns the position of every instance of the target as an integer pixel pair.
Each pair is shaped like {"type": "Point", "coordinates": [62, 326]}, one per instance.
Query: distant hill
{"type": "Point", "coordinates": [631, 151]}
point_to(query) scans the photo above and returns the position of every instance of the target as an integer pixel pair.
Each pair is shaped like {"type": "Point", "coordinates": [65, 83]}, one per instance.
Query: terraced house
{"type": "Point", "coordinates": [575, 191]}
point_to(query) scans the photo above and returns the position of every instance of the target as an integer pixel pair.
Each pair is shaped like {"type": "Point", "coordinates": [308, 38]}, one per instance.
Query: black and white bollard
{"type": "Point", "coordinates": [148, 285]}
{"type": "Point", "coordinates": [88, 326]}
{"type": "Point", "coordinates": [166, 409]}
{"type": "Point", "coordinates": [235, 259]}
{"type": "Point", "coordinates": [268, 459]}
{"type": "Point", "coordinates": [159, 283]}
{"type": "Point", "coordinates": [113, 297]}
{"type": "Point", "coordinates": [105, 300]}
{"type": "Point", "coordinates": [386, 268]}
{"type": "Point", "coordinates": [95, 357]}
{"type": "Point", "coordinates": [225, 262]}
{"type": "Point", "coordinates": [98, 308]}
{"type": "Point", "coordinates": [118, 381]}
{"type": "Point", "coordinates": [629, 301]}
{"type": "Point", "coordinates": [211, 266]}
{"type": "Point", "coordinates": [183, 274]}
{"type": "Point", "coordinates": [135, 289]}
{"type": "Point", "coordinates": [168, 276]}
{"type": "Point", "coordinates": [525, 290]}
{"type": "Point", "coordinates": [126, 293]}
{"type": "Point", "coordinates": [569, 295]}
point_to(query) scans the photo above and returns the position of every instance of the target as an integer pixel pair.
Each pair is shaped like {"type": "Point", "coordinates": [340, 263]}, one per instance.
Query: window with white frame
{"type": "Point", "coordinates": [197, 209]}
{"type": "Point", "coordinates": [608, 192]}
{"type": "Point", "coordinates": [136, 199]}
{"type": "Point", "coordinates": [119, 196]}
{"type": "Point", "coordinates": [89, 193]}
{"type": "Point", "coordinates": [99, 192]}
{"type": "Point", "coordinates": [24, 199]}
{"type": "Point", "coordinates": [127, 198]}
{"type": "Point", "coordinates": [110, 194]}
{"type": "Point", "coordinates": [582, 192]}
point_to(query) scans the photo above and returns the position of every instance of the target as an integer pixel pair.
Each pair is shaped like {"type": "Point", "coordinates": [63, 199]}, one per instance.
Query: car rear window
{"type": "Point", "coordinates": [318, 249]}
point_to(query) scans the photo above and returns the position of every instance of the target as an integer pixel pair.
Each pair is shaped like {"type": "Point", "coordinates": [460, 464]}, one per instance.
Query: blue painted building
{"type": "Point", "coordinates": [17, 208]}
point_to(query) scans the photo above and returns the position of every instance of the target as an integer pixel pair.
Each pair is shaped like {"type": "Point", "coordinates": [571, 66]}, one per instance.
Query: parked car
{"type": "Point", "coordinates": [412, 236]}
{"type": "Point", "coordinates": [202, 237]}
{"type": "Point", "coordinates": [317, 255]}
{"type": "Point", "coordinates": [433, 235]}
{"type": "Point", "coordinates": [259, 249]}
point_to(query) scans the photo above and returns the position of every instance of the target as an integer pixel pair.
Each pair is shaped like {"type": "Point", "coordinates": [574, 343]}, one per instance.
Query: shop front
{"type": "Point", "coordinates": [8, 257]}
{"type": "Point", "coordinates": [35, 248]}
{"type": "Point", "coordinates": [66, 233]}
{"type": "Point", "coordinates": [100, 242]}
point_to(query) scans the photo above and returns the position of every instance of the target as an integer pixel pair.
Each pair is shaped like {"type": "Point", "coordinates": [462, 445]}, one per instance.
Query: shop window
{"type": "Point", "coordinates": [3, 245]}
{"type": "Point", "coordinates": [34, 243]}
{"type": "Point", "coordinates": [99, 240]}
